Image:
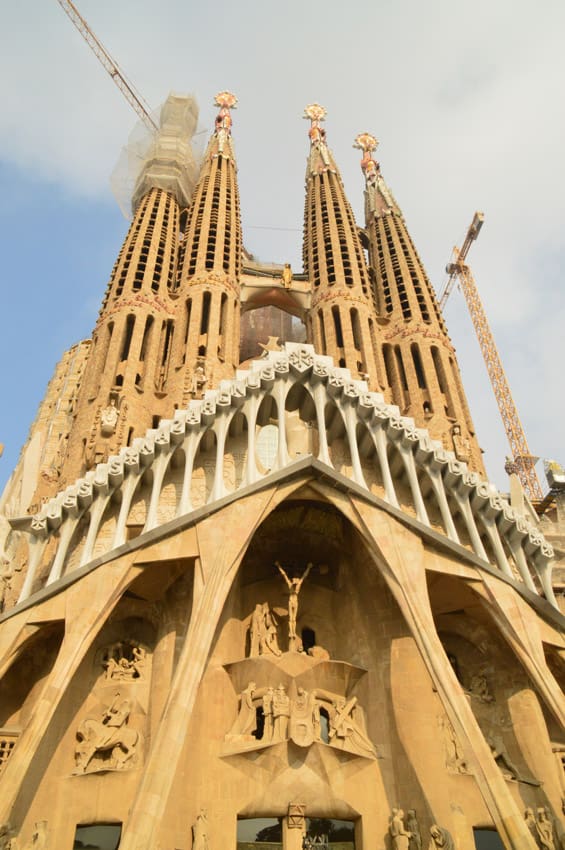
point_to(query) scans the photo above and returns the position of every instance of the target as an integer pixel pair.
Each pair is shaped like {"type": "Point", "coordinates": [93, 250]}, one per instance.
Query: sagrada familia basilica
{"type": "Point", "coordinates": [257, 591]}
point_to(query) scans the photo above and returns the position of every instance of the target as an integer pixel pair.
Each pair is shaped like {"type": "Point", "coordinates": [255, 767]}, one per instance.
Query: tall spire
{"type": "Point", "coordinates": [125, 388]}
{"type": "Point", "coordinates": [341, 319]}
{"type": "Point", "coordinates": [421, 372]}
{"type": "Point", "coordinates": [207, 347]}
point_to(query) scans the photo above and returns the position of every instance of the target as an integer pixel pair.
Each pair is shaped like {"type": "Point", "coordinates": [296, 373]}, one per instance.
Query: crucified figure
{"type": "Point", "coordinates": [294, 585]}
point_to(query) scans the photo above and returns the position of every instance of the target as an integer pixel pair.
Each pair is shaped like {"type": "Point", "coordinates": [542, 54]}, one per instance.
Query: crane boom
{"type": "Point", "coordinates": [125, 86]}
{"type": "Point", "coordinates": [523, 461]}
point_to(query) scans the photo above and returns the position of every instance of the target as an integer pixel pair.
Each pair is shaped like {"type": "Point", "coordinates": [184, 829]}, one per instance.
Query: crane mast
{"type": "Point", "coordinates": [522, 460]}
{"type": "Point", "coordinates": [125, 86]}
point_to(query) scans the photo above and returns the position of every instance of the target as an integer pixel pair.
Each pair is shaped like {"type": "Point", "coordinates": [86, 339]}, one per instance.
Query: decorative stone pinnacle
{"type": "Point", "coordinates": [226, 101]}
{"type": "Point", "coordinates": [370, 167]}
{"type": "Point", "coordinates": [315, 112]}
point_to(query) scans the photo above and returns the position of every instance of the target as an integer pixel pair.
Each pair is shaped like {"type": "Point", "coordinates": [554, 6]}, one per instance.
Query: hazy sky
{"type": "Point", "coordinates": [467, 100]}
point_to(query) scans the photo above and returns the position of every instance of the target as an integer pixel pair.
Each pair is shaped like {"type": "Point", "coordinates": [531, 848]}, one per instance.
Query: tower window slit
{"type": "Point", "coordinates": [418, 368]}
{"type": "Point", "coordinates": [400, 364]}
{"type": "Point", "coordinates": [205, 316]}
{"type": "Point", "coordinates": [337, 326]}
{"type": "Point", "coordinates": [128, 333]}
{"type": "Point", "coordinates": [146, 337]}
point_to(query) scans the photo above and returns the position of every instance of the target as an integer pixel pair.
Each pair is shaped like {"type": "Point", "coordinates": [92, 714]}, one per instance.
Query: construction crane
{"type": "Point", "coordinates": [126, 87]}
{"type": "Point", "coordinates": [522, 461]}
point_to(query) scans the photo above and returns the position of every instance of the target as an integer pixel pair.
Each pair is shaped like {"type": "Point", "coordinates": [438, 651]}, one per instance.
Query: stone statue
{"type": "Point", "coordinates": [461, 444]}
{"type": "Point", "coordinates": [200, 831]}
{"type": "Point", "coordinates": [304, 725]}
{"type": "Point", "coordinates": [294, 585]}
{"type": "Point", "coordinates": [346, 731]}
{"type": "Point", "coordinates": [199, 380]}
{"type": "Point", "coordinates": [246, 722]}
{"type": "Point", "coordinates": [281, 714]}
{"type": "Point", "coordinates": [399, 834]}
{"type": "Point", "coordinates": [263, 632]}
{"type": "Point", "coordinates": [111, 734]}
{"type": "Point", "coordinates": [286, 276]}
{"type": "Point", "coordinates": [531, 823]}
{"type": "Point", "coordinates": [454, 759]}
{"type": "Point", "coordinates": [109, 419]}
{"type": "Point", "coordinates": [479, 688]}
{"type": "Point", "coordinates": [441, 838]}
{"type": "Point", "coordinates": [268, 723]}
{"type": "Point", "coordinates": [413, 827]}
{"type": "Point", "coordinates": [6, 577]}
{"type": "Point", "coordinates": [544, 828]}
{"type": "Point", "coordinates": [124, 662]}
{"type": "Point", "coordinates": [507, 767]}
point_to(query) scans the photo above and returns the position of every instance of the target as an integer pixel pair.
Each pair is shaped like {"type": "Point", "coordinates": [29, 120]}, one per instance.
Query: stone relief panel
{"type": "Point", "coordinates": [107, 741]}
{"type": "Point", "coordinates": [125, 660]}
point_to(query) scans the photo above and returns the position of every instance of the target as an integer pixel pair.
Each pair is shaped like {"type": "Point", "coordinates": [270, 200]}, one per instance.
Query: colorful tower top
{"type": "Point", "coordinates": [379, 199]}
{"type": "Point", "coordinates": [320, 158]}
{"type": "Point", "coordinates": [221, 143]}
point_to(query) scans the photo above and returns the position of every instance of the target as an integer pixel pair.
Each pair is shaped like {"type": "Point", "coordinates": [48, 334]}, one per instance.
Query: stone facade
{"type": "Point", "coordinates": [280, 611]}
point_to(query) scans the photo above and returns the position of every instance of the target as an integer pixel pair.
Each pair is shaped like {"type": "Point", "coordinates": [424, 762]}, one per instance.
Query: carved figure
{"type": "Point", "coordinates": [5, 586]}
{"type": "Point", "coordinates": [294, 585]}
{"type": "Point", "coordinates": [281, 714]}
{"type": "Point", "coordinates": [264, 640]}
{"type": "Point", "coordinates": [544, 828]}
{"type": "Point", "coordinates": [246, 722]}
{"type": "Point", "coordinates": [399, 834]}
{"type": "Point", "coordinates": [109, 419]}
{"type": "Point", "coordinates": [507, 767]}
{"type": "Point", "coordinates": [454, 759]}
{"type": "Point", "coordinates": [413, 827]}
{"type": "Point", "coordinates": [344, 730]}
{"type": "Point", "coordinates": [461, 445]}
{"type": "Point", "coordinates": [531, 823]}
{"type": "Point", "coordinates": [200, 831]}
{"type": "Point", "coordinates": [441, 838]}
{"type": "Point", "coordinates": [109, 734]}
{"type": "Point", "coordinates": [479, 688]}
{"type": "Point", "coordinates": [286, 276]}
{"type": "Point", "coordinates": [124, 662]}
{"type": "Point", "coordinates": [199, 380]}
{"type": "Point", "coordinates": [268, 726]}
{"type": "Point", "coordinates": [302, 713]}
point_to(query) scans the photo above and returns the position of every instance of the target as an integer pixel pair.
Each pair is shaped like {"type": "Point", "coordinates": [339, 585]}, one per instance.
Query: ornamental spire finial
{"type": "Point", "coordinates": [316, 113]}
{"type": "Point", "coordinates": [370, 167]}
{"type": "Point", "coordinates": [226, 101]}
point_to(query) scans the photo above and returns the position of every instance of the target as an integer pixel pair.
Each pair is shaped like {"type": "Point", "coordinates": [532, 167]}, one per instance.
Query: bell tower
{"type": "Point", "coordinates": [126, 387]}
{"type": "Point", "coordinates": [207, 347]}
{"type": "Point", "coordinates": [421, 372]}
{"type": "Point", "coordinates": [341, 321]}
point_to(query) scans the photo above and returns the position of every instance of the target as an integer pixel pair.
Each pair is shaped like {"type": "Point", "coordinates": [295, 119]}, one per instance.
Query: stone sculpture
{"type": "Point", "coordinates": [302, 727]}
{"type": "Point", "coordinates": [246, 722]}
{"type": "Point", "coordinates": [398, 832]}
{"type": "Point", "coordinates": [413, 827]}
{"type": "Point", "coordinates": [199, 380]}
{"type": "Point", "coordinates": [108, 735]}
{"type": "Point", "coordinates": [109, 419]}
{"type": "Point", "coordinates": [531, 823]}
{"type": "Point", "coordinates": [268, 723]}
{"type": "Point", "coordinates": [479, 688]}
{"type": "Point", "coordinates": [544, 828]}
{"type": "Point", "coordinates": [507, 767]}
{"type": "Point", "coordinates": [294, 585]}
{"type": "Point", "coordinates": [454, 759]}
{"type": "Point", "coordinates": [124, 661]}
{"type": "Point", "coordinates": [346, 731]}
{"type": "Point", "coordinates": [461, 445]}
{"type": "Point", "coordinates": [441, 838]}
{"type": "Point", "coordinates": [200, 831]}
{"type": "Point", "coordinates": [281, 714]}
{"type": "Point", "coordinates": [263, 632]}
{"type": "Point", "coordinates": [286, 276]}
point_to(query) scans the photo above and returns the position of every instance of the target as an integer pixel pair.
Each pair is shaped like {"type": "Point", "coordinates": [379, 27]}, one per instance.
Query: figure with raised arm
{"type": "Point", "coordinates": [294, 585]}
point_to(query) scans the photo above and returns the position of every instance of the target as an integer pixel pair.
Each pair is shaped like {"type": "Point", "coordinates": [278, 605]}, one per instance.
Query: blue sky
{"type": "Point", "coordinates": [467, 103]}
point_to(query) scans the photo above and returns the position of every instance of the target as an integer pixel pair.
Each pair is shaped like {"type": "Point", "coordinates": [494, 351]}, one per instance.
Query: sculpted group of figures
{"type": "Point", "coordinates": [405, 832]}
{"type": "Point", "coordinates": [545, 829]}
{"type": "Point", "coordinates": [108, 742]}
{"type": "Point", "coordinates": [305, 717]}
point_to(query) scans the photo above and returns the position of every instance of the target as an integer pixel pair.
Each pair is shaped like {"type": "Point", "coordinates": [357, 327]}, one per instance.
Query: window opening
{"type": "Point", "coordinates": [102, 836]}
